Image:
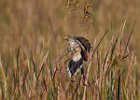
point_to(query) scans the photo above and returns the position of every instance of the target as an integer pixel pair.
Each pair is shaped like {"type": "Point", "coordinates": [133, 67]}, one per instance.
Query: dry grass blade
{"type": "Point", "coordinates": [3, 82]}
{"type": "Point", "coordinates": [131, 31]}
{"type": "Point", "coordinates": [107, 54]}
{"type": "Point", "coordinates": [64, 54]}
{"type": "Point", "coordinates": [76, 89]}
{"type": "Point", "coordinates": [41, 66]}
{"type": "Point", "coordinates": [56, 69]}
{"type": "Point", "coordinates": [117, 38]}
{"type": "Point", "coordinates": [51, 26]}
{"type": "Point", "coordinates": [99, 42]}
{"type": "Point", "coordinates": [89, 64]}
{"type": "Point", "coordinates": [31, 28]}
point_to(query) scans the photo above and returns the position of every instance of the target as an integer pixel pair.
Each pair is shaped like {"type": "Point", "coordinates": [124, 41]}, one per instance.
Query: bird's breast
{"type": "Point", "coordinates": [77, 57]}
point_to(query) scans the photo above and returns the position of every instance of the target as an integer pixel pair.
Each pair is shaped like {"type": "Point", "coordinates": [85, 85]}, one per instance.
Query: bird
{"type": "Point", "coordinates": [79, 46]}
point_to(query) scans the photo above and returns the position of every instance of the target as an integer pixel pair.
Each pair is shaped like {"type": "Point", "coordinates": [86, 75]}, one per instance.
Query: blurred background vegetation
{"type": "Point", "coordinates": [29, 21]}
{"type": "Point", "coordinates": [29, 29]}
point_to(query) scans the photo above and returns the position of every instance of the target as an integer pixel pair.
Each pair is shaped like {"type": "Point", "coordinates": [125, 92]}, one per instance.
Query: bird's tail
{"type": "Point", "coordinates": [74, 66]}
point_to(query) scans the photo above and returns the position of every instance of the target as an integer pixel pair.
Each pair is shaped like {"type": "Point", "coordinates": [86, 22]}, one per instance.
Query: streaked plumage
{"type": "Point", "coordinates": [79, 46]}
{"type": "Point", "coordinates": [84, 42]}
{"type": "Point", "coordinates": [74, 67]}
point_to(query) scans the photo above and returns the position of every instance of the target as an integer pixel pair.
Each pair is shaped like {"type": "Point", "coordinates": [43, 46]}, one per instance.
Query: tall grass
{"type": "Point", "coordinates": [33, 53]}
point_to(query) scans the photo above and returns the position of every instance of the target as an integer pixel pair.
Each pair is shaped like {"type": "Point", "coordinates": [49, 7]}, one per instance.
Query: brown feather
{"type": "Point", "coordinates": [84, 42]}
{"type": "Point", "coordinates": [84, 55]}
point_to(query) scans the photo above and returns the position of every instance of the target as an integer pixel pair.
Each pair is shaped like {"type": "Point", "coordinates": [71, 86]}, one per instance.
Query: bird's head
{"type": "Point", "coordinates": [72, 42]}
{"type": "Point", "coordinates": [67, 37]}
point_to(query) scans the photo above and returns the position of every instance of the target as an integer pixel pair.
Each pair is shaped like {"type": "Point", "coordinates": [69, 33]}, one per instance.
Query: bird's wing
{"type": "Point", "coordinates": [74, 66]}
{"type": "Point", "coordinates": [84, 43]}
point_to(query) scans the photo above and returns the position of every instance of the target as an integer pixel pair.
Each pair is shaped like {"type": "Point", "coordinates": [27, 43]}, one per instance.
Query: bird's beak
{"type": "Point", "coordinates": [66, 37]}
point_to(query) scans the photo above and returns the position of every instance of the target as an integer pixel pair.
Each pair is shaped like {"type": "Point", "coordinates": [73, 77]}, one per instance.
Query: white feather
{"type": "Point", "coordinates": [77, 57]}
